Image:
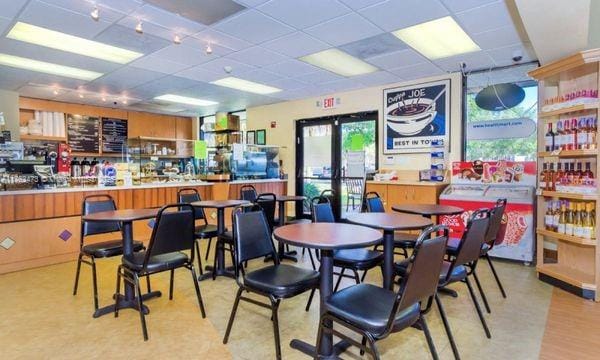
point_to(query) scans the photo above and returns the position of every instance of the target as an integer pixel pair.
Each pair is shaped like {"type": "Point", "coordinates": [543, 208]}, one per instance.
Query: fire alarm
{"type": "Point", "coordinates": [273, 124]}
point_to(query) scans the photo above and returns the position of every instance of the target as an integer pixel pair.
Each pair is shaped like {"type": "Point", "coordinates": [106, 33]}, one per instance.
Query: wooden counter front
{"type": "Point", "coordinates": [413, 192]}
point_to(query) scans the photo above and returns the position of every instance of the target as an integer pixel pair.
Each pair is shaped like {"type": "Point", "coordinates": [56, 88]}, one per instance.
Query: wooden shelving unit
{"type": "Point", "coordinates": [577, 265]}
{"type": "Point", "coordinates": [43, 138]}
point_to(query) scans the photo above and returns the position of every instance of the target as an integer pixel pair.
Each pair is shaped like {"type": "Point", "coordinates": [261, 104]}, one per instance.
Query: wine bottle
{"type": "Point", "coordinates": [556, 214]}
{"type": "Point", "coordinates": [562, 219]}
{"type": "Point", "coordinates": [566, 143]}
{"type": "Point", "coordinates": [574, 134]}
{"type": "Point", "coordinates": [558, 136]}
{"type": "Point", "coordinates": [569, 216]}
{"type": "Point", "coordinates": [586, 222]}
{"type": "Point", "coordinates": [582, 134]}
{"type": "Point", "coordinates": [550, 177]}
{"type": "Point", "coordinates": [548, 217]}
{"type": "Point", "coordinates": [549, 138]}
{"type": "Point", "coordinates": [577, 229]}
{"type": "Point", "coordinates": [543, 174]}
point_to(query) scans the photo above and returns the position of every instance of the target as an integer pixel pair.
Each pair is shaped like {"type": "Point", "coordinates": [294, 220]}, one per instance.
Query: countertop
{"type": "Point", "coordinates": [409, 182]}
{"type": "Point", "coordinates": [254, 181]}
{"type": "Point", "coordinates": [106, 188]}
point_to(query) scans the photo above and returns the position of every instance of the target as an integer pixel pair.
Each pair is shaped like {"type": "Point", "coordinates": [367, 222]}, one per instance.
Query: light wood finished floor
{"type": "Point", "coordinates": [40, 319]}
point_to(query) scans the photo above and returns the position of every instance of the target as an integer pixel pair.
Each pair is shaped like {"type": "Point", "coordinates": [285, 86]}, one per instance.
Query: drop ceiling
{"type": "Point", "coordinates": [257, 40]}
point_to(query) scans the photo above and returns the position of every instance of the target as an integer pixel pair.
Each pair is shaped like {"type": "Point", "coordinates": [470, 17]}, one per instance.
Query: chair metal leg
{"type": "Point", "coordinates": [489, 260]}
{"type": "Point", "coordinates": [356, 277]}
{"type": "Point", "coordinates": [275, 308]}
{"type": "Point", "coordinates": [483, 297]}
{"type": "Point", "coordinates": [310, 298]}
{"type": "Point", "coordinates": [148, 284]}
{"type": "Point", "coordinates": [197, 247]}
{"type": "Point", "coordinates": [374, 349]}
{"type": "Point", "coordinates": [364, 343]}
{"type": "Point", "coordinates": [214, 273]}
{"type": "Point", "coordinates": [118, 291]}
{"type": "Point", "coordinates": [447, 327]}
{"type": "Point", "coordinates": [232, 316]}
{"type": "Point", "coordinates": [312, 261]}
{"type": "Point", "coordinates": [478, 308]}
{"type": "Point", "coordinates": [207, 249]}
{"type": "Point", "coordinates": [171, 284]}
{"type": "Point", "coordinates": [140, 305]}
{"type": "Point", "coordinates": [198, 294]}
{"type": "Point", "coordinates": [95, 283]}
{"type": "Point", "coordinates": [430, 343]}
{"type": "Point", "coordinates": [364, 275]}
{"type": "Point", "coordinates": [339, 280]}
{"type": "Point", "coordinates": [77, 274]}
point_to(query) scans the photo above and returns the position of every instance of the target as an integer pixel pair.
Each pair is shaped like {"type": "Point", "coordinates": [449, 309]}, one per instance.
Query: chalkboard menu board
{"type": "Point", "coordinates": [114, 134]}
{"type": "Point", "coordinates": [84, 133]}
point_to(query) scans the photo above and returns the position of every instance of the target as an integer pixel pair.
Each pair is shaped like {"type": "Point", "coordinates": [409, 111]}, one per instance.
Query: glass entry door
{"type": "Point", "coordinates": [334, 153]}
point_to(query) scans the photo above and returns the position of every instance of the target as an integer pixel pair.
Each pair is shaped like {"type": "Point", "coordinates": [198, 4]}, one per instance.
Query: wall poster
{"type": "Point", "coordinates": [415, 115]}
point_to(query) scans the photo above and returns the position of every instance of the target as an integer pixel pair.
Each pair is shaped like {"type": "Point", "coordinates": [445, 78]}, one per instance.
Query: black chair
{"type": "Point", "coordinates": [268, 203]}
{"type": "Point", "coordinates": [349, 259]}
{"type": "Point", "coordinates": [173, 233]}
{"type": "Point", "coordinates": [202, 232]}
{"type": "Point", "coordinates": [461, 267]}
{"type": "Point", "coordinates": [105, 249]}
{"type": "Point", "coordinates": [375, 313]}
{"type": "Point", "coordinates": [276, 282]}
{"type": "Point", "coordinates": [496, 214]}
{"type": "Point", "coordinates": [402, 240]}
{"type": "Point", "coordinates": [248, 193]}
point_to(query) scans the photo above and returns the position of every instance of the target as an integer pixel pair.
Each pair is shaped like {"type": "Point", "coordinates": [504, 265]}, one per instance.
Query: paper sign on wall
{"type": "Point", "coordinates": [357, 142]}
{"type": "Point", "coordinates": [500, 129]}
{"type": "Point", "coordinates": [200, 149]}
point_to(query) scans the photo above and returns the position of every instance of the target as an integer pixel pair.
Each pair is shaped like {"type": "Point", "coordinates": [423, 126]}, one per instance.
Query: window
{"type": "Point", "coordinates": [510, 134]}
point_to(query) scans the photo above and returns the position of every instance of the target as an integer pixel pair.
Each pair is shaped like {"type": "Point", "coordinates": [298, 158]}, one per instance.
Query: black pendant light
{"type": "Point", "coordinates": [500, 97]}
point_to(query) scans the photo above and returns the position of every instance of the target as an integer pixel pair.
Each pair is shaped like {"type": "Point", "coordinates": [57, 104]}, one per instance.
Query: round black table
{"type": "Point", "coordinates": [327, 237]}
{"type": "Point", "coordinates": [389, 222]}
{"type": "Point", "coordinates": [281, 200]}
{"type": "Point", "coordinates": [220, 205]}
{"type": "Point", "coordinates": [126, 217]}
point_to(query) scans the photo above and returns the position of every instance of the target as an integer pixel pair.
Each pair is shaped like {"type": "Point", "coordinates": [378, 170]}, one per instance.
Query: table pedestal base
{"type": "Point", "coordinates": [228, 272]}
{"type": "Point", "coordinates": [447, 291]}
{"type": "Point", "coordinates": [311, 350]}
{"type": "Point", "coordinates": [127, 304]}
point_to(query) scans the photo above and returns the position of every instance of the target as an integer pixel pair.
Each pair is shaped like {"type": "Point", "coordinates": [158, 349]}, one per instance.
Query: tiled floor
{"type": "Point", "coordinates": [40, 319]}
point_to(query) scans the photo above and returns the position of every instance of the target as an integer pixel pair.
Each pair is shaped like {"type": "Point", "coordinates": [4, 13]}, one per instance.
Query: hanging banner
{"type": "Point", "coordinates": [416, 115]}
{"type": "Point", "coordinates": [500, 129]}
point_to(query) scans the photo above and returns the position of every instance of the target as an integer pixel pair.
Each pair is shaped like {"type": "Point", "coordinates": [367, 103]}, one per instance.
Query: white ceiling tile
{"type": "Point", "coordinates": [393, 15]}
{"type": "Point", "coordinates": [288, 84]}
{"type": "Point", "coordinates": [257, 56]}
{"type": "Point", "coordinates": [4, 24]}
{"type": "Point", "coordinates": [86, 6]}
{"type": "Point", "coordinates": [377, 78]}
{"type": "Point", "coordinates": [184, 54]}
{"type": "Point", "coordinates": [344, 29]}
{"type": "Point", "coordinates": [217, 50]}
{"type": "Point", "coordinates": [501, 37]}
{"type": "Point", "coordinates": [165, 85]}
{"type": "Point", "coordinates": [343, 85]}
{"type": "Point", "coordinates": [177, 24]}
{"type": "Point", "coordinates": [418, 71]}
{"type": "Point", "coordinates": [56, 18]}
{"type": "Point", "coordinates": [219, 64]}
{"type": "Point", "coordinates": [397, 59]}
{"type": "Point", "coordinates": [128, 77]}
{"type": "Point", "coordinates": [11, 8]}
{"type": "Point", "coordinates": [374, 46]}
{"type": "Point", "coordinates": [126, 38]}
{"type": "Point", "coordinates": [123, 6]}
{"type": "Point", "coordinates": [13, 78]}
{"type": "Point", "coordinates": [213, 36]}
{"type": "Point", "coordinates": [291, 68]}
{"type": "Point", "coordinates": [296, 44]}
{"type": "Point", "coordinates": [474, 61]}
{"type": "Point", "coordinates": [303, 13]}
{"type": "Point", "coordinates": [319, 77]}
{"type": "Point", "coordinates": [253, 26]}
{"type": "Point", "coordinates": [200, 74]}
{"type": "Point", "coordinates": [40, 92]}
{"type": "Point", "coordinates": [462, 5]}
{"type": "Point", "coordinates": [485, 18]}
{"type": "Point", "coordinates": [158, 64]}
{"type": "Point", "coordinates": [359, 4]}
{"type": "Point", "coordinates": [503, 56]}
{"type": "Point", "coordinates": [261, 76]}
{"type": "Point", "coordinates": [131, 22]}
{"type": "Point", "coordinates": [251, 3]}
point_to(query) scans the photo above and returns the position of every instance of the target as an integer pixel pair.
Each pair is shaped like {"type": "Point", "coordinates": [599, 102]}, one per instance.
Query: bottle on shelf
{"type": "Point", "coordinates": [592, 124]}
{"type": "Point", "coordinates": [549, 216]}
{"type": "Point", "coordinates": [570, 213]}
{"type": "Point", "coordinates": [574, 134]}
{"type": "Point", "coordinates": [582, 134]}
{"type": "Point", "coordinates": [549, 138]}
{"type": "Point", "coordinates": [559, 177]}
{"type": "Point", "coordinates": [577, 226]}
{"type": "Point", "coordinates": [587, 229]}
{"type": "Point", "coordinates": [562, 219]}
{"type": "Point", "coordinates": [543, 174]}
{"type": "Point", "coordinates": [550, 177]}
{"type": "Point", "coordinates": [559, 136]}
{"type": "Point", "coordinates": [587, 174]}
{"type": "Point", "coordinates": [570, 174]}
{"type": "Point", "coordinates": [566, 142]}
{"type": "Point", "coordinates": [578, 176]}
{"type": "Point", "coordinates": [556, 215]}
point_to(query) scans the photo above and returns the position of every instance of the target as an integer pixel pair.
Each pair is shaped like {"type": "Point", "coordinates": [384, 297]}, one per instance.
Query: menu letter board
{"type": "Point", "coordinates": [114, 135]}
{"type": "Point", "coordinates": [83, 133]}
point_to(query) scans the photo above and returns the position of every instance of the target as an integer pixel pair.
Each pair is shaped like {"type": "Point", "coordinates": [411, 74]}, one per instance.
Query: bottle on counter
{"type": "Point", "coordinates": [75, 168]}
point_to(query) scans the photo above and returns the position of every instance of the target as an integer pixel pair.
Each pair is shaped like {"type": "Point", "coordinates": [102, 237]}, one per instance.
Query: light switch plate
{"type": "Point", "coordinates": [7, 243]}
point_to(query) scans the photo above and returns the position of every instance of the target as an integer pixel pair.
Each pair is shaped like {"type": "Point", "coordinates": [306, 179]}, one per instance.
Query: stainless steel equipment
{"type": "Point", "coordinates": [251, 165]}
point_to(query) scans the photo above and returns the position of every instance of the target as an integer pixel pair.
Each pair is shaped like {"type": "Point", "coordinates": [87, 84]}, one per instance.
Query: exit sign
{"type": "Point", "coordinates": [329, 103]}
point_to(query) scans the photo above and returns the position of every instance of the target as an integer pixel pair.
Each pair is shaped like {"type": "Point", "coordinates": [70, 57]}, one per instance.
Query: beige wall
{"type": "Point", "coordinates": [9, 105]}
{"type": "Point", "coordinates": [286, 113]}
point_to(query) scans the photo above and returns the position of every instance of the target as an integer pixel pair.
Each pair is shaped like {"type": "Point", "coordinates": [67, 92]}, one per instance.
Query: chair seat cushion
{"type": "Point", "coordinates": [369, 307]}
{"type": "Point", "coordinates": [156, 263]}
{"type": "Point", "coordinates": [453, 243]}
{"type": "Point", "coordinates": [405, 240]}
{"type": "Point", "coordinates": [359, 259]}
{"type": "Point", "coordinates": [458, 273]}
{"type": "Point", "coordinates": [282, 280]}
{"type": "Point", "coordinates": [298, 221]}
{"type": "Point", "coordinates": [108, 248]}
{"type": "Point", "coordinates": [206, 231]}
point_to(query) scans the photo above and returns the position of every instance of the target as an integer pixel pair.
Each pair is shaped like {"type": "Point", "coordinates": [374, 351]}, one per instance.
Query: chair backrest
{"type": "Point", "coordinates": [496, 214]}
{"type": "Point", "coordinates": [469, 248]}
{"type": "Point", "coordinates": [374, 202]}
{"type": "Point", "coordinates": [423, 271]}
{"type": "Point", "coordinates": [190, 195]}
{"type": "Point", "coordinates": [354, 186]}
{"type": "Point", "coordinates": [251, 235]}
{"type": "Point", "coordinates": [172, 232]}
{"type": "Point", "coordinates": [321, 210]}
{"type": "Point", "coordinates": [248, 193]}
{"type": "Point", "coordinates": [268, 203]}
{"type": "Point", "coordinates": [93, 204]}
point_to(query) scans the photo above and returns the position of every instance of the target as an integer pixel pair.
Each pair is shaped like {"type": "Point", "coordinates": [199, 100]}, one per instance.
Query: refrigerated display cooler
{"type": "Point", "coordinates": [479, 184]}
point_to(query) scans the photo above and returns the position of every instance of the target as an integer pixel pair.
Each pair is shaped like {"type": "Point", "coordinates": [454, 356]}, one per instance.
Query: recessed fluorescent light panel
{"type": "Point", "coordinates": [438, 38]}
{"type": "Point", "coordinates": [339, 62]}
{"type": "Point", "coordinates": [56, 40]}
{"type": "Point", "coordinates": [185, 100]}
{"type": "Point", "coordinates": [48, 68]}
{"type": "Point", "coordinates": [245, 85]}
